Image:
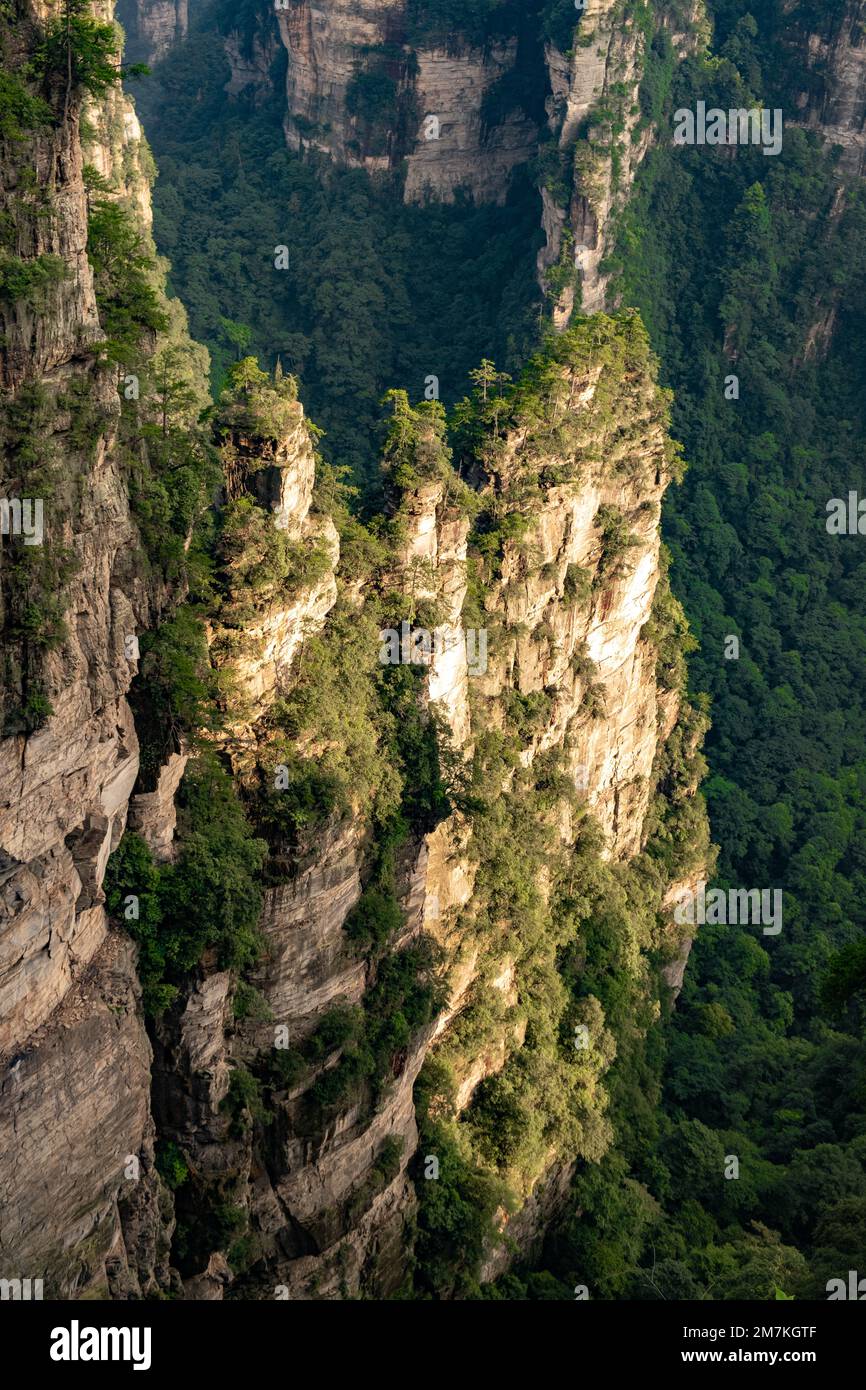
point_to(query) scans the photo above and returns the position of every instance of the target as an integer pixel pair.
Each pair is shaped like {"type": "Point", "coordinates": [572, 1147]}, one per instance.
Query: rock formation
{"type": "Point", "coordinates": [553, 693]}
{"type": "Point", "coordinates": [75, 1119]}
{"type": "Point", "coordinates": [833, 97]}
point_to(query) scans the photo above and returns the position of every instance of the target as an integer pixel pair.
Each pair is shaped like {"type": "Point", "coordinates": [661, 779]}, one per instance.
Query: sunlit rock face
{"type": "Point", "coordinates": [76, 1195]}
{"type": "Point", "coordinates": [595, 113]}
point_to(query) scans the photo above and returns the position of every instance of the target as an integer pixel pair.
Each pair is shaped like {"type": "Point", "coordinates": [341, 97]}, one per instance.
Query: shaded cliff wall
{"type": "Point", "coordinates": [830, 84]}
{"type": "Point", "coordinates": [152, 27]}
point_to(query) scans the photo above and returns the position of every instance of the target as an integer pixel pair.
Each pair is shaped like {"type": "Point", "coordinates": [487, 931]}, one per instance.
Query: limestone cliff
{"type": "Point", "coordinates": [75, 1196]}
{"type": "Point", "coordinates": [369, 87]}
{"type": "Point", "coordinates": [73, 1039]}
{"type": "Point", "coordinates": [555, 694]}
{"type": "Point", "coordinates": [153, 27]}
{"type": "Point", "coordinates": [831, 95]}
{"type": "Point", "coordinates": [600, 114]}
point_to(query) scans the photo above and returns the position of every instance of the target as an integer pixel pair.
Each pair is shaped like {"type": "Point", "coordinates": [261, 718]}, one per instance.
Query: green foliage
{"type": "Point", "coordinates": [20, 110]}
{"type": "Point", "coordinates": [338, 1028]}
{"type": "Point", "coordinates": [209, 898]}
{"type": "Point", "coordinates": [171, 1165]}
{"type": "Point", "coordinates": [730, 262]}
{"type": "Point", "coordinates": [456, 22]}
{"type": "Point", "coordinates": [252, 403]}
{"type": "Point", "coordinates": [77, 54]}
{"type": "Point", "coordinates": [371, 97]}
{"type": "Point", "coordinates": [374, 919]}
{"type": "Point", "coordinates": [616, 541]}
{"type": "Point", "coordinates": [420, 746]}
{"type": "Point", "coordinates": [406, 995]}
{"type": "Point", "coordinates": [602, 1238]}
{"type": "Point", "coordinates": [28, 282]}
{"type": "Point", "coordinates": [249, 1003]}
{"type": "Point", "coordinates": [35, 712]}
{"type": "Point", "coordinates": [415, 449]}
{"type": "Point", "coordinates": [290, 812]}
{"type": "Point", "coordinates": [334, 704]}
{"type": "Point", "coordinates": [173, 696]}
{"type": "Point", "coordinates": [257, 560]}
{"type": "Point", "coordinates": [243, 1100]}
{"type": "Point", "coordinates": [559, 20]}
{"type": "Point", "coordinates": [577, 586]}
{"type": "Point", "coordinates": [846, 976]}
{"type": "Point", "coordinates": [123, 272]}
{"type": "Point", "coordinates": [455, 1216]}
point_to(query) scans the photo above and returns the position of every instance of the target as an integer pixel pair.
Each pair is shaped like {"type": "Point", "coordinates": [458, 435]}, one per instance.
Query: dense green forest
{"type": "Point", "coordinates": [737, 265]}
{"type": "Point", "coordinates": [368, 295]}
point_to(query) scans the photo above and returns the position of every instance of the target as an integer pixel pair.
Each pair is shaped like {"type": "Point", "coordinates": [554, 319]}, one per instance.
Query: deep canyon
{"type": "Point", "coordinates": [331, 976]}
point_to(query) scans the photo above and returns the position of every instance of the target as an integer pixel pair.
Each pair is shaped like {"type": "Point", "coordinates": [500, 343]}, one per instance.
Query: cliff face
{"type": "Point", "coordinates": [72, 1037]}
{"type": "Point", "coordinates": [153, 27]}
{"type": "Point", "coordinates": [374, 86]}
{"type": "Point", "coordinates": [363, 88]}
{"type": "Point", "coordinates": [573, 678]}
{"type": "Point", "coordinates": [832, 95]}
{"type": "Point", "coordinates": [601, 118]}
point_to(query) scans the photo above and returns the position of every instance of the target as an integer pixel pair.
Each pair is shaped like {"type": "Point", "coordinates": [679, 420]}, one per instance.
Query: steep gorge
{"type": "Point", "coordinates": [339, 854]}
{"type": "Point", "coordinates": [398, 928]}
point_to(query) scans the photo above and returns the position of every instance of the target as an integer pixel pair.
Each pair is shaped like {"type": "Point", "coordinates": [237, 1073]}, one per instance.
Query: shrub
{"type": "Point", "coordinates": [173, 695]}
{"type": "Point", "coordinates": [374, 919]}
{"type": "Point", "coordinates": [309, 797]}
{"type": "Point", "coordinates": [577, 586]}
{"type": "Point", "coordinates": [616, 540]}
{"type": "Point", "coordinates": [252, 403]}
{"type": "Point", "coordinates": [455, 1214]}
{"type": "Point", "coordinates": [129, 306]}
{"type": "Point", "coordinates": [27, 282]}
{"type": "Point", "coordinates": [209, 898]}
{"type": "Point", "coordinates": [243, 1100]}
{"type": "Point", "coordinates": [171, 1165]}
{"type": "Point", "coordinates": [20, 110]}
{"type": "Point", "coordinates": [249, 1003]}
